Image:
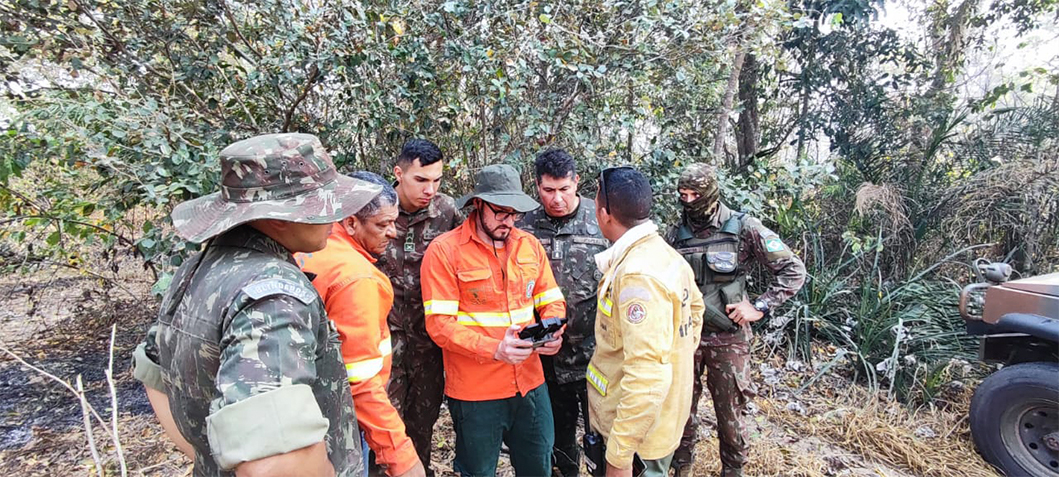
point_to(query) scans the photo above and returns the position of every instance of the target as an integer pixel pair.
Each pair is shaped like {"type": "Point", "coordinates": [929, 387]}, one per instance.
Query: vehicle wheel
{"type": "Point", "coordinates": [1015, 419]}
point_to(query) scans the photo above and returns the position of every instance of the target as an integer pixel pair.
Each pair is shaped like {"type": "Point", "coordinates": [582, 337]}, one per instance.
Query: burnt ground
{"type": "Point", "coordinates": [62, 325]}
{"type": "Point", "coordinates": [61, 322]}
{"type": "Point", "coordinates": [72, 347]}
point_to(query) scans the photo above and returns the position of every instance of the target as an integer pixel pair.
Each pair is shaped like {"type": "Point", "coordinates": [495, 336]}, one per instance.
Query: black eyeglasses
{"type": "Point", "coordinates": [502, 215]}
{"type": "Point", "coordinates": [603, 184]}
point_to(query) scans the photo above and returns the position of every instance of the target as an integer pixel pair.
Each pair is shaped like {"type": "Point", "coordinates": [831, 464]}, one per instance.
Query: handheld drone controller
{"type": "Point", "coordinates": [542, 331]}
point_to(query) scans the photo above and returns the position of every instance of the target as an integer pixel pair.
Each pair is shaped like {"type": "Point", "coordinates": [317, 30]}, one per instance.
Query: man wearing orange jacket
{"type": "Point", "coordinates": [358, 297]}
{"type": "Point", "coordinates": [482, 282]}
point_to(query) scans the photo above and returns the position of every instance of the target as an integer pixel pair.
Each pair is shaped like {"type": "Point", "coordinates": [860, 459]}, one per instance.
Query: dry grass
{"type": "Point", "coordinates": [1014, 204]}
{"type": "Point", "coordinates": [64, 452]}
{"type": "Point", "coordinates": [885, 199]}
{"type": "Point", "coordinates": [925, 441]}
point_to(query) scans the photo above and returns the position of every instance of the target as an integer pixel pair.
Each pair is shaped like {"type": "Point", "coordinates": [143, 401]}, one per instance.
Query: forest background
{"type": "Point", "coordinates": [888, 156]}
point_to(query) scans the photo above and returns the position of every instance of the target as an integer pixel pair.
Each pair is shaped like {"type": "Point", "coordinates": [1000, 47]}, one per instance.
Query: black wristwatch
{"type": "Point", "coordinates": [762, 306]}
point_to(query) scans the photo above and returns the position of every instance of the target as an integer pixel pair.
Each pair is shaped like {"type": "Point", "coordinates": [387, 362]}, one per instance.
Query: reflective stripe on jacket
{"type": "Point", "coordinates": [648, 324]}
{"type": "Point", "coordinates": [470, 300]}
{"type": "Point", "coordinates": [358, 297]}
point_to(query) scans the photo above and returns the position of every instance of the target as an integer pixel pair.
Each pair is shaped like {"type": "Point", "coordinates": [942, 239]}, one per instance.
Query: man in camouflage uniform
{"type": "Point", "coordinates": [720, 244]}
{"type": "Point", "coordinates": [566, 227]}
{"type": "Point", "coordinates": [417, 383]}
{"type": "Point", "coordinates": [243, 367]}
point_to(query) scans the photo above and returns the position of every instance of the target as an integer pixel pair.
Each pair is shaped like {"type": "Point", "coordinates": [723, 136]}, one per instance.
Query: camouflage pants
{"type": "Point", "coordinates": [725, 357]}
{"type": "Point", "coordinates": [417, 388]}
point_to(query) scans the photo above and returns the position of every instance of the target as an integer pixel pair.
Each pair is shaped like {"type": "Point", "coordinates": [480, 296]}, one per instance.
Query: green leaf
{"type": "Point", "coordinates": [53, 238]}
{"type": "Point", "coordinates": [545, 18]}
{"type": "Point", "coordinates": [162, 284]}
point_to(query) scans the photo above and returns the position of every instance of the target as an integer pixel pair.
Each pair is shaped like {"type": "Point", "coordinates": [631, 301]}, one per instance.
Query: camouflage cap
{"type": "Point", "coordinates": [699, 177]}
{"type": "Point", "coordinates": [500, 185]}
{"type": "Point", "coordinates": [276, 176]}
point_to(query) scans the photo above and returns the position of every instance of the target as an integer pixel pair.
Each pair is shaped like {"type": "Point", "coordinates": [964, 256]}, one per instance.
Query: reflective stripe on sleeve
{"type": "Point", "coordinates": [385, 347]}
{"type": "Point", "coordinates": [441, 307]}
{"type": "Point", "coordinates": [596, 379]}
{"type": "Point", "coordinates": [363, 370]}
{"type": "Point", "coordinates": [495, 320]}
{"type": "Point", "coordinates": [547, 297]}
{"type": "Point", "coordinates": [605, 305]}
{"type": "Point", "coordinates": [366, 369]}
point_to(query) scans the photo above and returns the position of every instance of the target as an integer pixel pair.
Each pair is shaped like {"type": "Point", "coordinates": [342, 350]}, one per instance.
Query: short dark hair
{"type": "Point", "coordinates": [628, 195]}
{"type": "Point", "coordinates": [386, 198]}
{"type": "Point", "coordinates": [556, 163]}
{"type": "Point", "coordinates": [426, 151]}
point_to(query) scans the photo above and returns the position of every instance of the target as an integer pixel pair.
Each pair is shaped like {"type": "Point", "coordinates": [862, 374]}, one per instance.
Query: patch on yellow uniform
{"type": "Point", "coordinates": [635, 313]}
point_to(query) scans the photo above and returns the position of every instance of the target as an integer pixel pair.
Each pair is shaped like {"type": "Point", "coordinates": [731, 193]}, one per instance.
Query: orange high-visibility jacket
{"type": "Point", "coordinates": [358, 297]}
{"type": "Point", "coordinates": [470, 300]}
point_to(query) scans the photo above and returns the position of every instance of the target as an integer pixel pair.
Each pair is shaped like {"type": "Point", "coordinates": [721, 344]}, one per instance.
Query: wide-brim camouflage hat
{"type": "Point", "coordinates": [500, 185]}
{"type": "Point", "coordinates": [276, 176]}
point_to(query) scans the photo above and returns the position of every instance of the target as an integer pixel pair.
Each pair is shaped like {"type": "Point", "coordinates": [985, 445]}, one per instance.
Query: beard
{"type": "Point", "coordinates": [498, 233]}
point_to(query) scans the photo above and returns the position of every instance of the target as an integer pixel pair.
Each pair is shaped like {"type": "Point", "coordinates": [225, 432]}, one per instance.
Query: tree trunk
{"type": "Point", "coordinates": [803, 108]}
{"type": "Point", "coordinates": [729, 101]}
{"type": "Point", "coordinates": [748, 130]}
{"type": "Point", "coordinates": [950, 43]}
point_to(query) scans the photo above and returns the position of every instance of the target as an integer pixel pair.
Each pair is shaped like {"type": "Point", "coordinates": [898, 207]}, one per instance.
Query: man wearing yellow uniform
{"type": "Point", "coordinates": [647, 327]}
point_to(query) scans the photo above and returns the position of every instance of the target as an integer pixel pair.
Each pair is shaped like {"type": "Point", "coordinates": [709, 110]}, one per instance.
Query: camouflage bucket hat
{"type": "Point", "coordinates": [276, 176]}
{"type": "Point", "coordinates": [500, 185]}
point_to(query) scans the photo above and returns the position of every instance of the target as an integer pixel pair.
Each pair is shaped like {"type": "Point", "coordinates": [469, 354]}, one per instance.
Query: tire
{"type": "Point", "coordinates": [1011, 413]}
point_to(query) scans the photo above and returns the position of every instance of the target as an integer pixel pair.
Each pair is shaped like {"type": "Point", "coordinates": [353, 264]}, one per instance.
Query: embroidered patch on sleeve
{"type": "Point", "coordinates": [635, 313]}
{"type": "Point", "coordinates": [280, 286]}
{"type": "Point", "coordinates": [774, 244]}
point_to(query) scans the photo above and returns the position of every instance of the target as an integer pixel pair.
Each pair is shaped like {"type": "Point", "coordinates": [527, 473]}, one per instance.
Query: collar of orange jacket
{"type": "Point", "coordinates": [339, 232]}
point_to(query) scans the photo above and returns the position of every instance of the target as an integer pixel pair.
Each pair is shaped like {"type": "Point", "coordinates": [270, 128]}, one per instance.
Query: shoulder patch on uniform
{"type": "Point", "coordinates": [774, 244]}
{"type": "Point", "coordinates": [629, 293]}
{"type": "Point", "coordinates": [635, 313]}
{"type": "Point", "coordinates": [280, 286]}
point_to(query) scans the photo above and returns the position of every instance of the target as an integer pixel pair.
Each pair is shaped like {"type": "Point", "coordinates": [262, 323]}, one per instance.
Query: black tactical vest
{"type": "Point", "coordinates": [720, 276]}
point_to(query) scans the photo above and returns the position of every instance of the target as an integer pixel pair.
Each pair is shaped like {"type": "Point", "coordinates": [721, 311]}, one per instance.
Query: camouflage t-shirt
{"type": "Point", "coordinates": [240, 327]}
{"type": "Point", "coordinates": [572, 243]}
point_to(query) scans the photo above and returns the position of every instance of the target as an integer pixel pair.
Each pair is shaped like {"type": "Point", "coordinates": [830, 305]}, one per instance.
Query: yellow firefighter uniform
{"type": "Point", "coordinates": [648, 324]}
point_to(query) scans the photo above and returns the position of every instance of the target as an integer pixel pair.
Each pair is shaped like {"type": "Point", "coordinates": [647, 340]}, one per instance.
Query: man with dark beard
{"type": "Point", "coordinates": [482, 283]}
{"type": "Point", "coordinates": [719, 244]}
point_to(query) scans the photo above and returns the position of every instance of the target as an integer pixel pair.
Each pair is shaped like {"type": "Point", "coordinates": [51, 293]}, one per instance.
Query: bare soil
{"type": "Point", "coordinates": [61, 322]}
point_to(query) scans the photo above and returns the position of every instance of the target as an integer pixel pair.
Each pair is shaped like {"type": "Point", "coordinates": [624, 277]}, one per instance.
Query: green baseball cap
{"type": "Point", "coordinates": [276, 176]}
{"type": "Point", "coordinates": [500, 185]}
